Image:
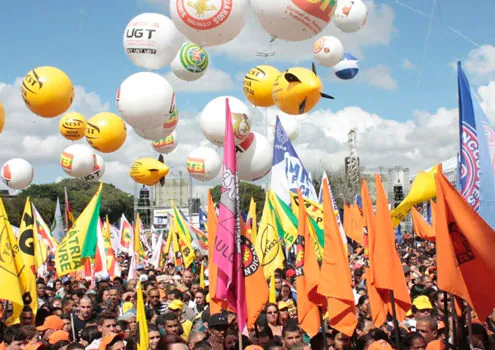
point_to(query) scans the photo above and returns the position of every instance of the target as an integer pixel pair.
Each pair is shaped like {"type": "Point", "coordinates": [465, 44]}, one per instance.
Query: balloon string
{"type": "Point", "coordinates": [427, 41]}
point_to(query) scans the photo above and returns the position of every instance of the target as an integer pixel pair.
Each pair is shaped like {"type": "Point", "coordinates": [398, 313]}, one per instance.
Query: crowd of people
{"type": "Point", "coordinates": [75, 313]}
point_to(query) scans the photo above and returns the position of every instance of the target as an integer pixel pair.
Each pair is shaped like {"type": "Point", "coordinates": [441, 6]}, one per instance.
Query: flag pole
{"type": "Point", "coordinates": [447, 324]}
{"type": "Point", "coordinates": [396, 322]}
{"type": "Point", "coordinates": [323, 327]}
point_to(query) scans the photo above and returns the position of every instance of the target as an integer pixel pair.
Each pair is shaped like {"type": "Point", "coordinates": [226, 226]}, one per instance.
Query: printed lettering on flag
{"type": "Point", "coordinates": [470, 177]}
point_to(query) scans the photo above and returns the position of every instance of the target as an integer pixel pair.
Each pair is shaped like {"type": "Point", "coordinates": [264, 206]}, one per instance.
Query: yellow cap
{"type": "Point", "coordinates": [127, 306]}
{"type": "Point", "coordinates": [175, 305]}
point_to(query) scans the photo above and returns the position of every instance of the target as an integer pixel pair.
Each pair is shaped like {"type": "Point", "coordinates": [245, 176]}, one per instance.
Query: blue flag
{"type": "Point", "coordinates": [202, 220]}
{"type": "Point", "coordinates": [477, 147]}
{"type": "Point", "coordinates": [288, 172]}
{"type": "Point", "coordinates": [399, 237]}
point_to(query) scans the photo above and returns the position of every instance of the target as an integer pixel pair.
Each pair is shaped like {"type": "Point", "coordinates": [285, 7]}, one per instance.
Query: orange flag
{"type": "Point", "coordinates": [354, 223]}
{"type": "Point", "coordinates": [465, 243]}
{"type": "Point", "coordinates": [378, 306]}
{"type": "Point", "coordinates": [255, 284]}
{"type": "Point", "coordinates": [335, 276]}
{"type": "Point", "coordinates": [307, 275]}
{"type": "Point", "coordinates": [215, 305]}
{"type": "Point", "coordinates": [421, 227]}
{"type": "Point", "coordinates": [384, 260]}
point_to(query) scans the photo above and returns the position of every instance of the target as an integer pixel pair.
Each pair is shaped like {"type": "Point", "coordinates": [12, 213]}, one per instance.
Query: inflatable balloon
{"type": "Point", "coordinates": [347, 68]}
{"type": "Point", "coordinates": [17, 174]}
{"type": "Point", "coordinates": [254, 157]}
{"type": "Point", "coordinates": [297, 91]}
{"type": "Point", "coordinates": [293, 20]}
{"type": "Point", "coordinates": [190, 63]}
{"type": "Point", "coordinates": [145, 100]}
{"type": "Point", "coordinates": [212, 120]}
{"type": "Point", "coordinates": [350, 15]}
{"type": "Point", "coordinates": [151, 40]}
{"type": "Point", "coordinates": [47, 91]}
{"type": "Point", "coordinates": [162, 131]}
{"type": "Point", "coordinates": [98, 170]}
{"type": "Point", "coordinates": [106, 132]}
{"type": "Point", "coordinates": [72, 126]}
{"type": "Point", "coordinates": [203, 164]}
{"type": "Point", "coordinates": [2, 117]}
{"type": "Point", "coordinates": [165, 145]}
{"type": "Point", "coordinates": [328, 51]}
{"type": "Point", "coordinates": [209, 22]}
{"type": "Point", "coordinates": [148, 171]}
{"type": "Point", "coordinates": [291, 124]}
{"type": "Point", "coordinates": [258, 85]}
{"type": "Point", "coordinates": [78, 160]}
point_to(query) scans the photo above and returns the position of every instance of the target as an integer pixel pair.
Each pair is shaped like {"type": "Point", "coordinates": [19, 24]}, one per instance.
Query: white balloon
{"type": "Point", "coordinates": [203, 163]}
{"type": "Point", "coordinates": [78, 160]}
{"type": "Point", "coordinates": [162, 131]}
{"type": "Point", "coordinates": [255, 160]}
{"type": "Point", "coordinates": [292, 20]}
{"type": "Point", "coordinates": [145, 100]}
{"type": "Point", "coordinates": [190, 63]}
{"type": "Point", "coordinates": [209, 23]}
{"type": "Point", "coordinates": [151, 40]}
{"type": "Point", "coordinates": [212, 120]}
{"type": "Point", "coordinates": [17, 173]}
{"type": "Point", "coordinates": [98, 170]}
{"type": "Point", "coordinates": [350, 15]}
{"type": "Point", "coordinates": [291, 124]}
{"type": "Point", "coordinates": [328, 51]}
{"type": "Point", "coordinates": [166, 144]}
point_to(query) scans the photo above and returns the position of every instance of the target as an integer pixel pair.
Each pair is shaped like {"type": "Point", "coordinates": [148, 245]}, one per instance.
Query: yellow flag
{"type": "Point", "coordinates": [138, 246]}
{"type": "Point", "coordinates": [18, 282]}
{"type": "Point", "coordinates": [287, 219]}
{"type": "Point", "coordinates": [267, 243]}
{"type": "Point", "coordinates": [314, 212]}
{"type": "Point", "coordinates": [272, 298]}
{"type": "Point", "coordinates": [252, 223]}
{"type": "Point", "coordinates": [183, 238]}
{"type": "Point", "coordinates": [202, 276]}
{"type": "Point", "coordinates": [141, 323]}
{"type": "Point", "coordinates": [26, 239]}
{"type": "Point", "coordinates": [107, 237]}
{"type": "Point", "coordinates": [81, 240]}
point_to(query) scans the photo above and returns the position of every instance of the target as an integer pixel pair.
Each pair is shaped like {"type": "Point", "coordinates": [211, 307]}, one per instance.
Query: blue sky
{"type": "Point", "coordinates": [84, 38]}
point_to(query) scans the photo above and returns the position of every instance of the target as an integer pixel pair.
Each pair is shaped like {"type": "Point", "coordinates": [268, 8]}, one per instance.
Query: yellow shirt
{"type": "Point", "coordinates": [186, 327]}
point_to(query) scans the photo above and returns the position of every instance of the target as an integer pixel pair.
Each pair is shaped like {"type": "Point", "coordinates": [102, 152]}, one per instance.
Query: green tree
{"type": "Point", "coordinates": [114, 202]}
{"type": "Point", "coordinates": [246, 191]}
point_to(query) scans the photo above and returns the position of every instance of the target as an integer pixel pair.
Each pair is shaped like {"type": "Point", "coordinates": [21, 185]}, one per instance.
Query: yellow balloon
{"type": "Point", "coordinates": [106, 132]}
{"type": "Point", "coordinates": [297, 91]}
{"type": "Point", "coordinates": [47, 91]}
{"type": "Point", "coordinates": [148, 171]}
{"type": "Point", "coordinates": [258, 85]}
{"type": "Point", "coordinates": [72, 126]}
{"type": "Point", "coordinates": [2, 117]}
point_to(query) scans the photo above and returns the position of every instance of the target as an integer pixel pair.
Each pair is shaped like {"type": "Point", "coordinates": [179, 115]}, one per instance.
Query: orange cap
{"type": "Point", "coordinates": [108, 339]}
{"type": "Point", "coordinates": [435, 345]}
{"type": "Point", "coordinates": [57, 336]}
{"type": "Point", "coordinates": [51, 322]}
{"type": "Point", "coordinates": [380, 345]}
{"type": "Point", "coordinates": [34, 345]}
{"type": "Point", "coordinates": [253, 347]}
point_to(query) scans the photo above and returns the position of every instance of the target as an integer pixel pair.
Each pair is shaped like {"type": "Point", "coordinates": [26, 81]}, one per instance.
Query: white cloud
{"type": "Point", "coordinates": [406, 64]}
{"type": "Point", "coordinates": [378, 31]}
{"type": "Point", "coordinates": [214, 80]}
{"type": "Point", "coordinates": [379, 76]}
{"type": "Point", "coordinates": [480, 64]}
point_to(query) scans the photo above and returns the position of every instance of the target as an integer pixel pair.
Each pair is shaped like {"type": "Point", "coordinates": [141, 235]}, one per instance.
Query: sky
{"type": "Point", "coordinates": [403, 103]}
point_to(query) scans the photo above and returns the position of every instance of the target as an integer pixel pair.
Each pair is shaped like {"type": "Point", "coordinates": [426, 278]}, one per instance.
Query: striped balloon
{"type": "Point", "coordinates": [190, 63]}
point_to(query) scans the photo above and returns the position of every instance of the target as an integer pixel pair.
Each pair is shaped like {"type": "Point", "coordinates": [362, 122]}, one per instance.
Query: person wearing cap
{"type": "Point", "coordinates": [107, 323]}
{"type": "Point", "coordinates": [51, 324]}
{"type": "Point", "coordinates": [57, 336]}
{"type": "Point", "coordinates": [217, 330]}
{"type": "Point", "coordinates": [112, 341]}
{"type": "Point", "coordinates": [283, 311]}
{"type": "Point", "coordinates": [176, 306]}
